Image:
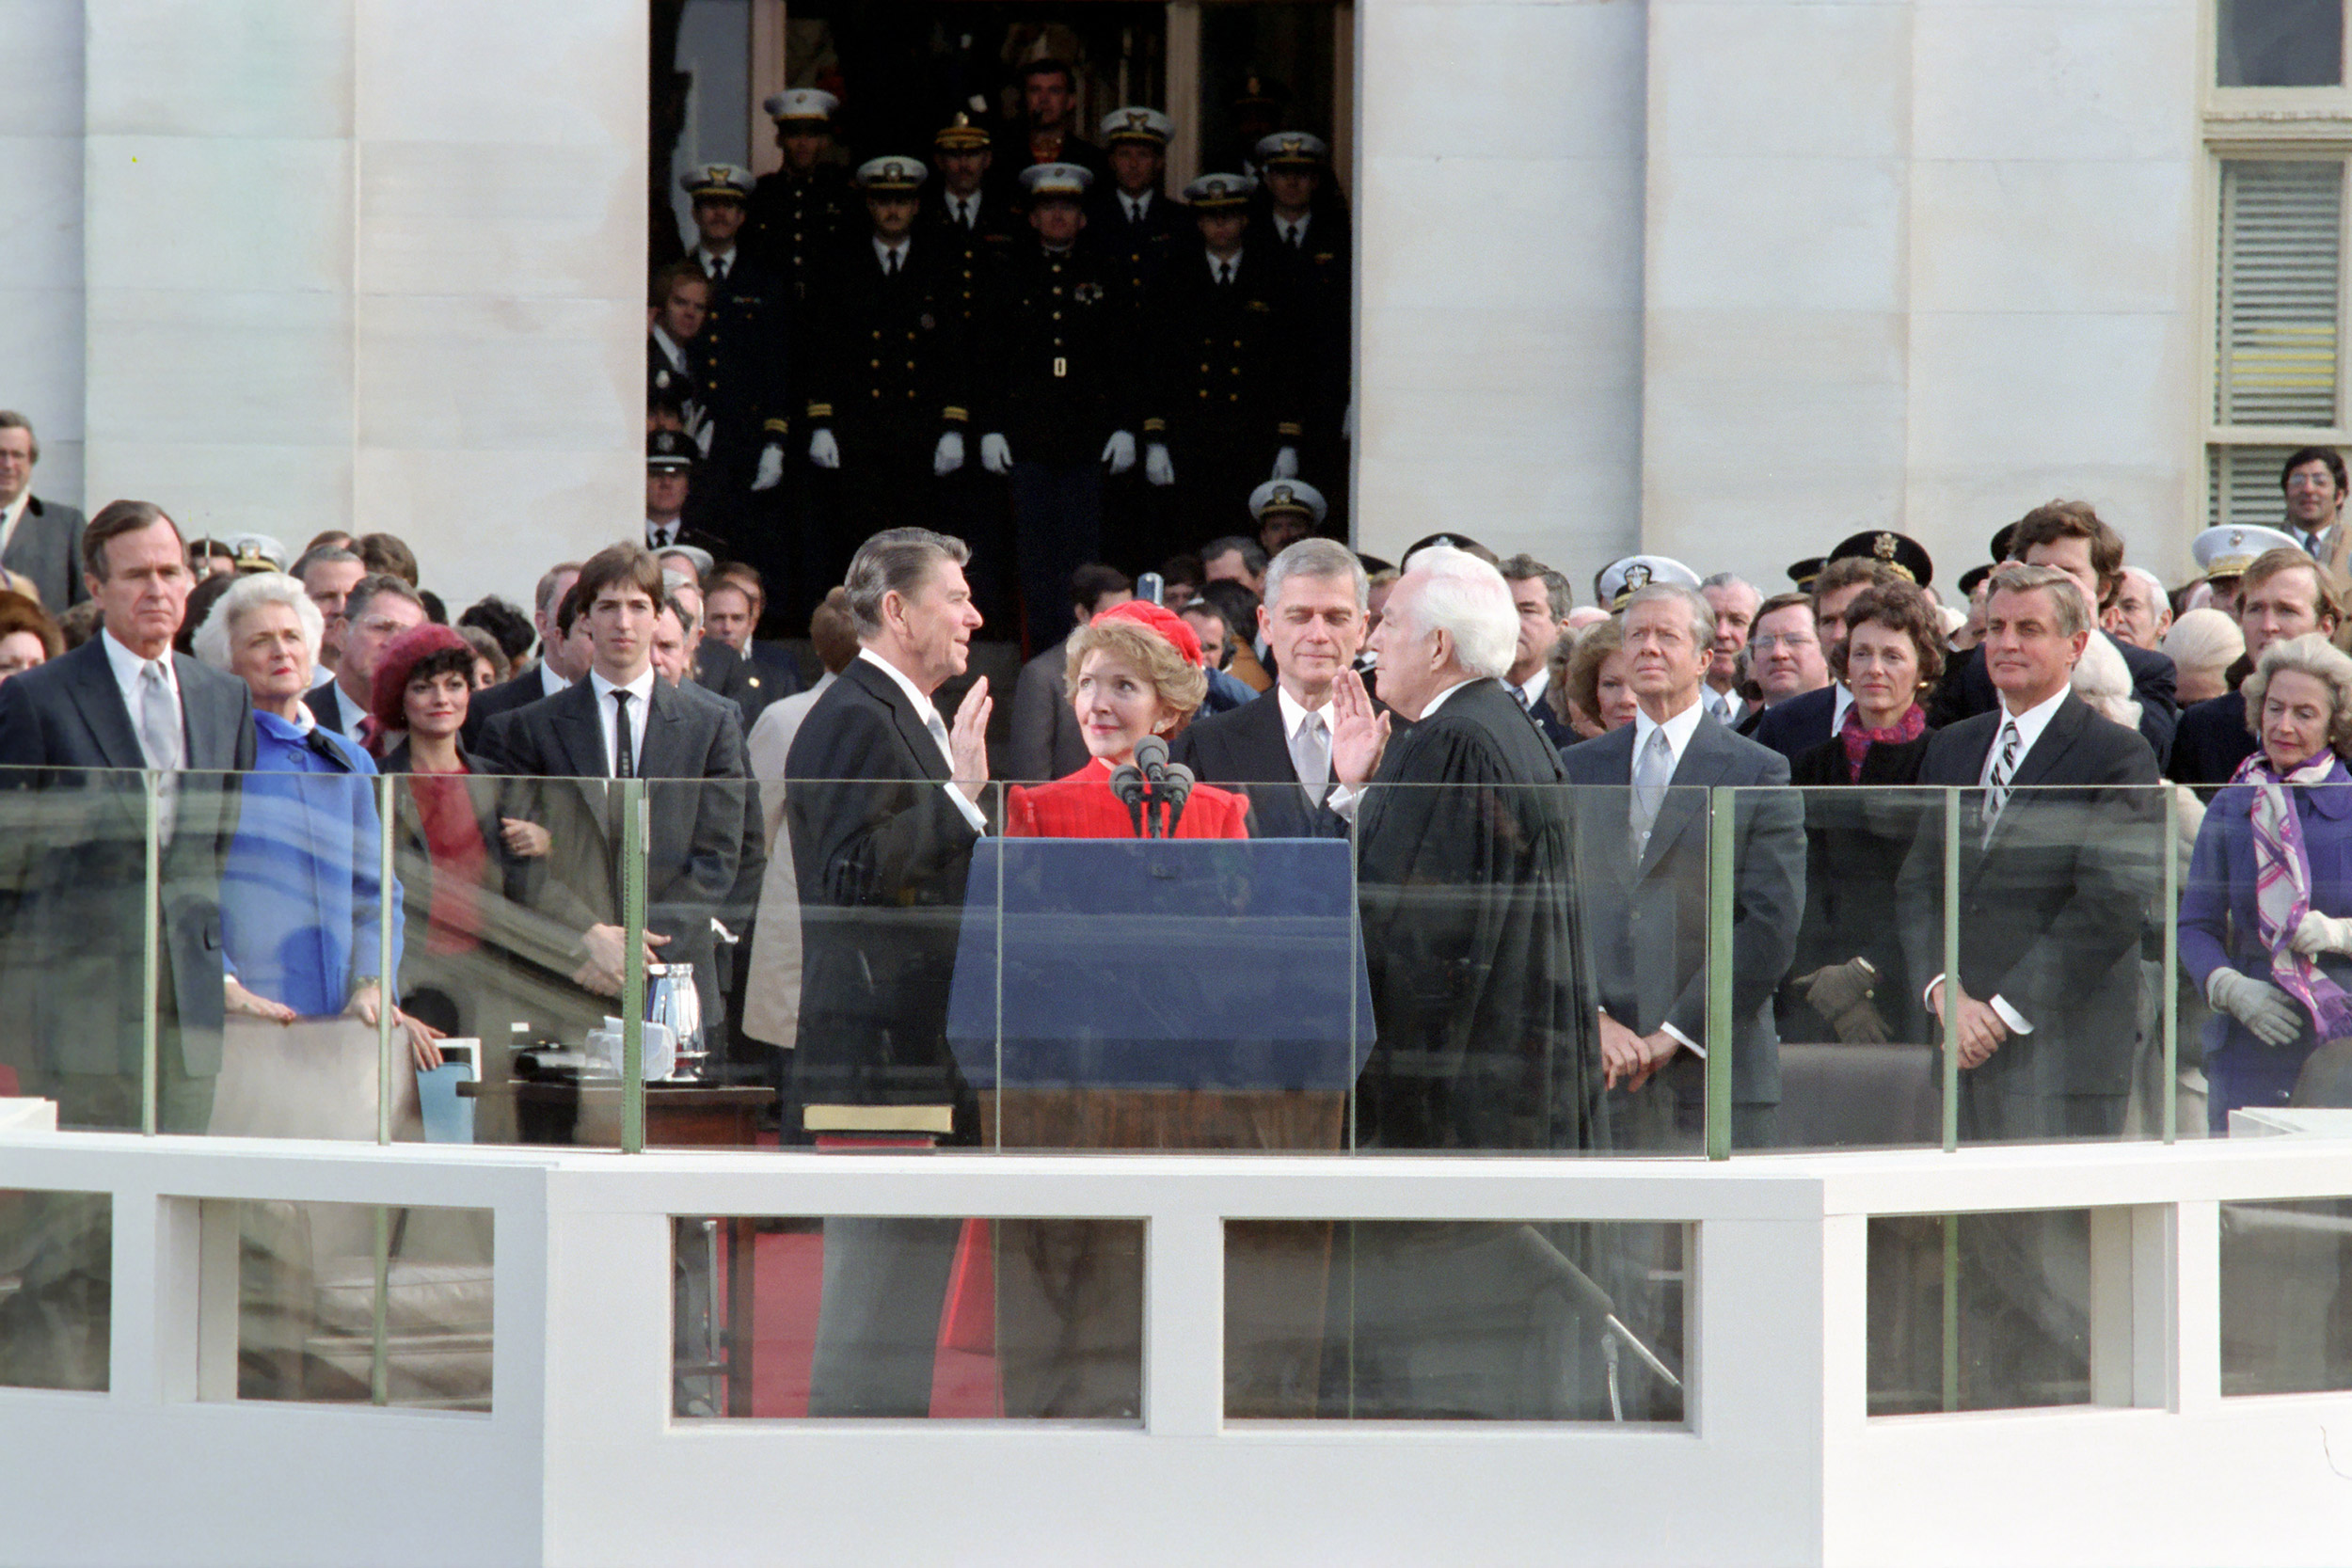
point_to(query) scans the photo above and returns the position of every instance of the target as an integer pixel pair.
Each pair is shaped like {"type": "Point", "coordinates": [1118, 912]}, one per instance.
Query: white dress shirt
{"type": "Point", "coordinates": [1533, 690]}
{"type": "Point", "coordinates": [1837, 707]}
{"type": "Point", "coordinates": [716, 262]}
{"type": "Point", "coordinates": [1223, 267]}
{"type": "Point", "coordinates": [2030, 724]}
{"type": "Point", "coordinates": [550, 682]}
{"type": "Point", "coordinates": [965, 210]}
{"type": "Point", "coordinates": [892, 257]}
{"type": "Point", "coordinates": [14, 514]}
{"type": "Point", "coordinates": [127, 666]}
{"type": "Point", "coordinates": [1678, 731]}
{"type": "Point", "coordinates": [640, 694]}
{"type": "Point", "coordinates": [1292, 230]}
{"type": "Point", "coordinates": [1294, 716]}
{"type": "Point", "coordinates": [1137, 206]}
{"type": "Point", "coordinates": [670, 350]}
{"type": "Point", "coordinates": [928, 710]}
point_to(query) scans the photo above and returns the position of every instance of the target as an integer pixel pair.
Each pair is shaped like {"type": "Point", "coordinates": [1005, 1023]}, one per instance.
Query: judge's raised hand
{"type": "Point", "coordinates": [967, 740]}
{"type": "Point", "coordinates": [1359, 734]}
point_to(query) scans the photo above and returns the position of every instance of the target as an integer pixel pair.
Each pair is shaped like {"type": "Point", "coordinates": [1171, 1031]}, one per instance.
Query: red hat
{"type": "Point", "coordinates": [390, 694]}
{"type": "Point", "coordinates": [1167, 623]}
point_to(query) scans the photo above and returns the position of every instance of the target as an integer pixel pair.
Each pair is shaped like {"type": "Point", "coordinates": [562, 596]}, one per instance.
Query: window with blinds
{"type": "Point", "coordinates": [2281, 278]}
{"type": "Point", "coordinates": [2242, 485]}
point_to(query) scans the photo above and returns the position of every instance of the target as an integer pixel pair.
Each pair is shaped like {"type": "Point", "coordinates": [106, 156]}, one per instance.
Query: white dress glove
{"type": "Point", "coordinates": [1158, 467]}
{"type": "Point", "coordinates": [1347, 423]}
{"type": "Point", "coordinates": [2268, 1013]}
{"type": "Point", "coordinates": [1286, 464]}
{"type": "Point", "coordinates": [2322, 933]}
{"type": "Point", "coordinates": [823, 450]}
{"type": "Point", "coordinates": [1118, 452]}
{"type": "Point", "coordinates": [770, 468]}
{"type": "Point", "coordinates": [949, 456]}
{"type": "Point", "coordinates": [995, 454]}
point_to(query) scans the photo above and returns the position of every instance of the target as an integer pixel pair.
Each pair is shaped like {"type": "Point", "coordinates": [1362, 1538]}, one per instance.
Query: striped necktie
{"type": "Point", "coordinates": [1996, 786]}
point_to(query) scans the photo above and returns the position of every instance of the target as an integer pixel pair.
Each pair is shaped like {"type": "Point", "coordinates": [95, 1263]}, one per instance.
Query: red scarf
{"type": "Point", "coordinates": [1859, 737]}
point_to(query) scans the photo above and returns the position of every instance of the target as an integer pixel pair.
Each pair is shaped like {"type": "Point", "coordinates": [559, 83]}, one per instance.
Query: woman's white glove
{"type": "Point", "coordinates": [1158, 467]}
{"type": "Point", "coordinates": [1118, 452]}
{"type": "Point", "coordinates": [2268, 1013]}
{"type": "Point", "coordinates": [949, 456]}
{"type": "Point", "coordinates": [823, 450]}
{"type": "Point", "coordinates": [995, 453]}
{"type": "Point", "coordinates": [2322, 933]}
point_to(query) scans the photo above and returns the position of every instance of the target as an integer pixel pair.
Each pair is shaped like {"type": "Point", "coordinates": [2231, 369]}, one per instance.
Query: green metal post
{"type": "Point", "coordinates": [633, 826]}
{"type": "Point", "coordinates": [1722, 840]}
{"type": "Point", "coordinates": [1951, 971]}
{"type": "Point", "coordinates": [386, 987]}
{"type": "Point", "coordinates": [2169, 1094]}
{"type": "Point", "coordinates": [151, 944]}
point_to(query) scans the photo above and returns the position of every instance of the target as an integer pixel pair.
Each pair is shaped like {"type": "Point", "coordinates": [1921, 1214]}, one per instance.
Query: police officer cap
{"type": "Point", "coordinates": [1287, 495]}
{"type": "Point", "coordinates": [1136, 123]}
{"type": "Point", "coordinates": [708, 180]}
{"type": "Point", "coordinates": [669, 449]}
{"type": "Point", "coordinates": [2226, 552]}
{"type": "Point", "coordinates": [1802, 573]}
{"type": "Point", "coordinates": [257, 552]}
{"type": "Point", "coordinates": [960, 135]}
{"type": "Point", "coordinates": [1043, 180]}
{"type": "Point", "coordinates": [892, 174]}
{"type": "Point", "coordinates": [801, 103]}
{"type": "Point", "coordinates": [1216, 193]}
{"type": "Point", "coordinates": [1292, 149]}
{"type": "Point", "coordinates": [1897, 550]}
{"type": "Point", "coordinates": [1972, 575]}
{"type": "Point", "coordinates": [1624, 579]}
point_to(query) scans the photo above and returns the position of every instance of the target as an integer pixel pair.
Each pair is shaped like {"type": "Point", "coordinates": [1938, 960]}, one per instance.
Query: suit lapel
{"type": "Point", "coordinates": [2057, 738]}
{"type": "Point", "coordinates": [209, 742]}
{"type": "Point", "coordinates": [98, 701]}
{"type": "Point", "coordinates": [1269, 748]}
{"type": "Point", "coordinates": [580, 732]}
{"type": "Point", "coordinates": [658, 758]}
{"type": "Point", "coordinates": [912, 729]}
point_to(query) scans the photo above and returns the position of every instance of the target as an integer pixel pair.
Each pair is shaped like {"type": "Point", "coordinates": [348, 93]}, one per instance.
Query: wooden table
{"type": "Point", "coordinates": [677, 1115]}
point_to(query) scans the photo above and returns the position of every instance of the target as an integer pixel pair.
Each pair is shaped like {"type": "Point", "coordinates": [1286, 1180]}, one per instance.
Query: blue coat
{"type": "Point", "coordinates": [301, 900]}
{"type": "Point", "coordinates": [2218, 926]}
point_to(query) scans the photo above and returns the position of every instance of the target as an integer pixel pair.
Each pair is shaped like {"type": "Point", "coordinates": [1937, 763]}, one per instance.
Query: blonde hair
{"type": "Point", "coordinates": [1179, 684]}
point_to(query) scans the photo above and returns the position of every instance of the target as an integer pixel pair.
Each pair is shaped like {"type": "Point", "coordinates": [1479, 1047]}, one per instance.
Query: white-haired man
{"type": "Point", "coordinates": [1644, 890]}
{"type": "Point", "coordinates": [1488, 1037]}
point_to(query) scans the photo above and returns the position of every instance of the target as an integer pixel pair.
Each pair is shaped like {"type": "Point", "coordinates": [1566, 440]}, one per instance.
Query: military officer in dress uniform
{"type": "Point", "coordinates": [1046, 134]}
{"type": "Point", "coordinates": [1222, 395]}
{"type": "Point", "coordinates": [886, 400]}
{"type": "Point", "coordinates": [802, 209]}
{"type": "Point", "coordinates": [1287, 511]}
{"type": "Point", "coordinates": [668, 494]}
{"type": "Point", "coordinates": [743, 351]}
{"type": "Point", "coordinates": [1128, 219]}
{"type": "Point", "coordinates": [678, 306]}
{"type": "Point", "coordinates": [1058, 409]}
{"type": "Point", "coordinates": [1312, 235]}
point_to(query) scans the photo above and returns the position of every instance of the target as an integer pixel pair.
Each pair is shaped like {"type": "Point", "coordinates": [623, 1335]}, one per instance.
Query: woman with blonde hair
{"type": "Point", "coordinates": [2267, 915]}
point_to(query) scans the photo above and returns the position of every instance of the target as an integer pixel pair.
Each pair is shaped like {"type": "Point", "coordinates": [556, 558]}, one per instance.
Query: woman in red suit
{"type": "Point", "coordinates": [1134, 670]}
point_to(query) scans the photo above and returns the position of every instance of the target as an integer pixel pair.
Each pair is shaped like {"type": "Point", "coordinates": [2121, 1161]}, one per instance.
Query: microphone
{"type": "Point", "coordinates": [1176, 788]}
{"type": "Point", "coordinates": [1128, 785]}
{"type": "Point", "coordinates": [1152, 757]}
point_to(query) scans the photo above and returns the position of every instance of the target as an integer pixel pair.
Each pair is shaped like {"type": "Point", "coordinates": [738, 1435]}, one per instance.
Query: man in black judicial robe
{"type": "Point", "coordinates": [1486, 1017]}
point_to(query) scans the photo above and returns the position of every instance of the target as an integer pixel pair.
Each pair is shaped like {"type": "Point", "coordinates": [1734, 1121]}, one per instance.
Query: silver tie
{"type": "Point", "coordinates": [938, 726]}
{"type": "Point", "coordinates": [1652, 770]}
{"type": "Point", "coordinates": [1310, 754]}
{"type": "Point", "coordinates": [1997, 788]}
{"type": "Point", "coordinates": [161, 740]}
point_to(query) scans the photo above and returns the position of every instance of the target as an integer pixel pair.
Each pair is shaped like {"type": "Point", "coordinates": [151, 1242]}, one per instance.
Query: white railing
{"type": "Point", "coordinates": [580, 1462]}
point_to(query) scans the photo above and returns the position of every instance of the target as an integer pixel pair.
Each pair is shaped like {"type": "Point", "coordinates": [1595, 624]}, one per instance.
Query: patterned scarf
{"type": "Point", "coordinates": [2283, 886]}
{"type": "Point", "coordinates": [1859, 737]}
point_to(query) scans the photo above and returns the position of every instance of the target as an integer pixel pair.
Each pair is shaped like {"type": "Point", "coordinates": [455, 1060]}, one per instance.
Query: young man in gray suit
{"type": "Point", "coordinates": [40, 539]}
{"type": "Point", "coordinates": [1646, 885]}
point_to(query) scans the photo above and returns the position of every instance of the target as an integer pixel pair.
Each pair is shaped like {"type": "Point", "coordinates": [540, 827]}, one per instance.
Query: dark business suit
{"type": "Point", "coordinates": [333, 707]}
{"type": "Point", "coordinates": [47, 548]}
{"type": "Point", "coordinates": [1856, 840]}
{"type": "Point", "coordinates": [1968, 690]}
{"type": "Point", "coordinates": [697, 790]}
{"type": "Point", "coordinates": [74, 910]}
{"type": "Point", "coordinates": [724, 673]}
{"type": "Point", "coordinates": [1646, 908]}
{"type": "Point", "coordinates": [882, 856]}
{"type": "Point", "coordinates": [1046, 741]}
{"type": "Point", "coordinates": [1248, 750]}
{"type": "Point", "coordinates": [2213, 742]}
{"type": "Point", "coordinates": [485, 706]}
{"type": "Point", "coordinates": [1798, 725]}
{"type": "Point", "coordinates": [2049, 921]}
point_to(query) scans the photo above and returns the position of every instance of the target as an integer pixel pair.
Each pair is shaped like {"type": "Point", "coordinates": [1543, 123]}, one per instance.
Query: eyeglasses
{"type": "Point", "coordinates": [1771, 640]}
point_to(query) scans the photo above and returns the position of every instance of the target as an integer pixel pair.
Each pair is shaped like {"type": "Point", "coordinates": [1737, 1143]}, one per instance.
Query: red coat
{"type": "Point", "coordinates": [1083, 806]}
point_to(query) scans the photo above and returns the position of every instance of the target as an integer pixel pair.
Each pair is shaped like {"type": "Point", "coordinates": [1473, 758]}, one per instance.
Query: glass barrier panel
{"type": "Point", "coordinates": [1991, 1312]}
{"type": "Point", "coordinates": [1452, 1321]}
{"type": "Point", "coordinates": [908, 1318]}
{"type": "Point", "coordinates": [57, 1284]}
{"type": "Point", "coordinates": [353, 1303]}
{"type": "Point", "coordinates": [1861, 1055]}
{"type": "Point", "coordinates": [2287, 1315]}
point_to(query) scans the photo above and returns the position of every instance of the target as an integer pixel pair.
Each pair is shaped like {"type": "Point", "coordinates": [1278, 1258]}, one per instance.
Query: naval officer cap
{"type": "Point", "coordinates": [960, 135]}
{"type": "Point", "coordinates": [1292, 149]}
{"type": "Point", "coordinates": [1278, 496]}
{"type": "Point", "coordinates": [1219, 192]}
{"type": "Point", "coordinates": [1623, 579]}
{"type": "Point", "coordinates": [257, 552]}
{"type": "Point", "coordinates": [706, 180]}
{"type": "Point", "coordinates": [670, 451]}
{"type": "Point", "coordinates": [695, 554]}
{"type": "Point", "coordinates": [1901, 551]}
{"type": "Point", "coordinates": [1136, 123]}
{"type": "Point", "coordinates": [2226, 552]}
{"type": "Point", "coordinates": [891, 175]}
{"type": "Point", "coordinates": [806, 103]}
{"type": "Point", "coordinates": [1041, 181]}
